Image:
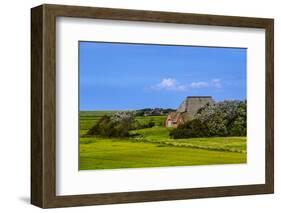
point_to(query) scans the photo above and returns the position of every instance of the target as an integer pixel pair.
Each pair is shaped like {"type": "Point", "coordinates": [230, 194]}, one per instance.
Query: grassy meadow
{"type": "Point", "coordinates": [152, 147]}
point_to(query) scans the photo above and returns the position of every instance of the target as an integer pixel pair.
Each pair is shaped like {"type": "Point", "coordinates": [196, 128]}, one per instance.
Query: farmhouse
{"type": "Point", "coordinates": [186, 111]}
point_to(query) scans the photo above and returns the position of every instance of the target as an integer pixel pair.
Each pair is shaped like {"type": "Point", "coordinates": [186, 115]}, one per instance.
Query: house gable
{"type": "Point", "coordinates": [187, 110]}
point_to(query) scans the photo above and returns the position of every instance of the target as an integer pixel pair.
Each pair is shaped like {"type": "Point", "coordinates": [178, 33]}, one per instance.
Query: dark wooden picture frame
{"type": "Point", "coordinates": [43, 105]}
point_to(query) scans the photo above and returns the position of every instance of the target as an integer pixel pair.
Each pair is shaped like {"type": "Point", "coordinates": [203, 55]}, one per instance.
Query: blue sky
{"type": "Point", "coordinates": [115, 76]}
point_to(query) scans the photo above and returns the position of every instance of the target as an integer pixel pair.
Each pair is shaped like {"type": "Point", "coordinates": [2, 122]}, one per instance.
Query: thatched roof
{"type": "Point", "coordinates": [192, 104]}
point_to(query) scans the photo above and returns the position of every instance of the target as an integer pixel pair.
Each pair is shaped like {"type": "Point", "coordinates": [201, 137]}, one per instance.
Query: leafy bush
{"type": "Point", "coordinates": [192, 129]}
{"type": "Point", "coordinates": [150, 124]}
{"type": "Point", "coordinates": [239, 125]}
{"type": "Point", "coordinates": [227, 118]}
{"type": "Point", "coordinates": [142, 125]}
{"type": "Point", "coordinates": [118, 125]}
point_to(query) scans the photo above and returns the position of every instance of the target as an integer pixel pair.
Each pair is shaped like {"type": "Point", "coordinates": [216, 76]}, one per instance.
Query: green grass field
{"type": "Point", "coordinates": [153, 147]}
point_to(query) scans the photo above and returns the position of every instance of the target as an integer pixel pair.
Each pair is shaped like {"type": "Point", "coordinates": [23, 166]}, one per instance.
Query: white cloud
{"type": "Point", "coordinates": [169, 84]}
{"type": "Point", "coordinates": [199, 84]}
{"type": "Point", "coordinates": [173, 84]}
{"type": "Point", "coordinates": [216, 83]}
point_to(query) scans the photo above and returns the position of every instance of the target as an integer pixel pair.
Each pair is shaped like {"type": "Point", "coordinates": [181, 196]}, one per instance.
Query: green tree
{"type": "Point", "coordinates": [118, 125]}
{"type": "Point", "coordinates": [191, 129]}
{"type": "Point", "coordinates": [227, 118]}
{"type": "Point", "coordinates": [224, 118]}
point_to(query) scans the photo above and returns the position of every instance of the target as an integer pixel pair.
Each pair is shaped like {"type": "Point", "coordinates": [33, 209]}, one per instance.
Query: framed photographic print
{"type": "Point", "coordinates": [136, 106]}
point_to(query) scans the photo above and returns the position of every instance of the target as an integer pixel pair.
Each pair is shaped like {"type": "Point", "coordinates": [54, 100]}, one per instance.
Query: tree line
{"type": "Point", "coordinates": [226, 118]}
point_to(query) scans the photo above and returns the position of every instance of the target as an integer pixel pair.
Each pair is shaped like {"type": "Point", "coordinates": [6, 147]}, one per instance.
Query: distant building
{"type": "Point", "coordinates": [187, 110]}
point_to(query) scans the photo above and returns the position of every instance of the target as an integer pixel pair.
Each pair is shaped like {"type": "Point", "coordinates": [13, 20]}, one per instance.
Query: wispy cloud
{"type": "Point", "coordinates": [169, 84]}
{"type": "Point", "coordinates": [199, 84]}
{"type": "Point", "coordinates": [174, 85]}
{"type": "Point", "coordinates": [216, 83]}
